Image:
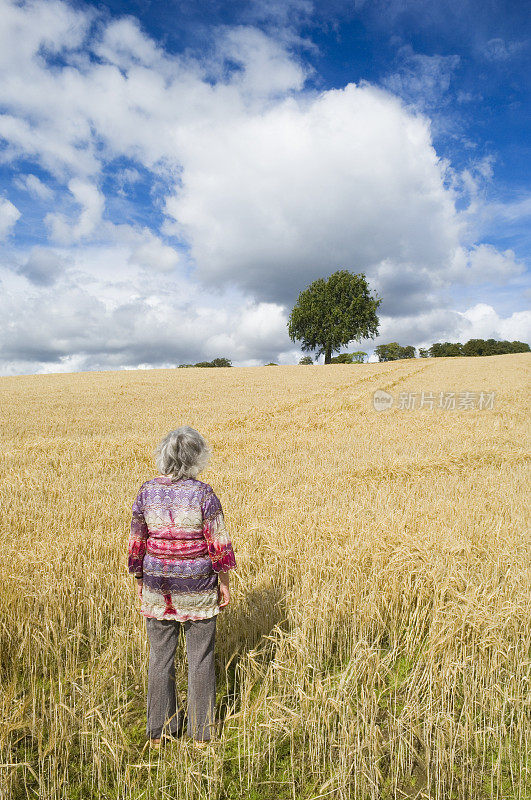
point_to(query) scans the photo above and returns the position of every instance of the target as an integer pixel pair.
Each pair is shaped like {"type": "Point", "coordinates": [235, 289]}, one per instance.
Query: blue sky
{"type": "Point", "coordinates": [173, 174]}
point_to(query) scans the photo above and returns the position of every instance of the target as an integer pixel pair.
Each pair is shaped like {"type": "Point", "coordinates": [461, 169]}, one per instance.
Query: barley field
{"type": "Point", "coordinates": [377, 643]}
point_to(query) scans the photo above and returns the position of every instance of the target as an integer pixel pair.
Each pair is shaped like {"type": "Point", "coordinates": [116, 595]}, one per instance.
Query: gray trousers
{"type": "Point", "coordinates": [162, 714]}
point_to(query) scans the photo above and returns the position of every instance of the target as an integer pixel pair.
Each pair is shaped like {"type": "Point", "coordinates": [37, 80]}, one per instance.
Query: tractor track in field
{"type": "Point", "coordinates": [257, 417]}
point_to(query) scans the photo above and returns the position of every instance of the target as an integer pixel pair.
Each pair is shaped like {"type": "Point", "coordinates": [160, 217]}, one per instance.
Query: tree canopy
{"type": "Point", "coordinates": [393, 351]}
{"type": "Point", "coordinates": [349, 358]}
{"type": "Point", "coordinates": [477, 347]}
{"type": "Point", "coordinates": [331, 313]}
{"type": "Point", "coordinates": [217, 362]}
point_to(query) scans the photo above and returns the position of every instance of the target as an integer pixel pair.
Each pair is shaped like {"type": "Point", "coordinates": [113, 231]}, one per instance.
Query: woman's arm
{"type": "Point", "coordinates": [216, 535]}
{"type": "Point", "coordinates": [224, 591]}
{"type": "Point", "coordinates": [137, 538]}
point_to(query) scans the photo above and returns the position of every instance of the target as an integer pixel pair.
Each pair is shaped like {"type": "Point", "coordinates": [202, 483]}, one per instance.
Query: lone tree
{"type": "Point", "coordinates": [331, 313]}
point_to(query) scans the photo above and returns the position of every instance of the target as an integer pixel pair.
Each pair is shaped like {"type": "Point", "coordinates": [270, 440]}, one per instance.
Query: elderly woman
{"type": "Point", "coordinates": [180, 554]}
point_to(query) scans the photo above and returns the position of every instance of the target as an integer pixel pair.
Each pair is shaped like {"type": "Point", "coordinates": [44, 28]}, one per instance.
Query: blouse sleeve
{"type": "Point", "coordinates": [137, 537]}
{"type": "Point", "coordinates": [218, 540]}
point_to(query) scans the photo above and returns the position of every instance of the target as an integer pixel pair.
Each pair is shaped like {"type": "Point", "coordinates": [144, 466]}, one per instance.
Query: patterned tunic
{"type": "Point", "coordinates": [179, 543]}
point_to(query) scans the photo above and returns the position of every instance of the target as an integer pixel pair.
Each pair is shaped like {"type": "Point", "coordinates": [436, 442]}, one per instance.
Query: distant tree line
{"type": "Point", "coordinates": [393, 352]}
{"type": "Point", "coordinates": [217, 362]}
{"type": "Point", "coordinates": [474, 347]}
{"type": "Point", "coordinates": [477, 347]}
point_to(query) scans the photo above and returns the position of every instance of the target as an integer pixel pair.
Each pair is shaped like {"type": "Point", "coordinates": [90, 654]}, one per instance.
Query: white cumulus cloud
{"type": "Point", "coordinates": [34, 186]}
{"type": "Point", "coordinates": [92, 202]}
{"type": "Point", "coordinates": [9, 214]}
{"type": "Point", "coordinates": [485, 264]}
{"type": "Point", "coordinates": [481, 321]}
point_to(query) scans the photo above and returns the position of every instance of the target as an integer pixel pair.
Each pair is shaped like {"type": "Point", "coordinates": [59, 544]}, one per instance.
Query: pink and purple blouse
{"type": "Point", "coordinates": [178, 542]}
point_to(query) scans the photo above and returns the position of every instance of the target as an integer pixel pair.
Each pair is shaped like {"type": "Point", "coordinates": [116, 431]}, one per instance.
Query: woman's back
{"type": "Point", "coordinates": [173, 514]}
{"type": "Point", "coordinates": [179, 543]}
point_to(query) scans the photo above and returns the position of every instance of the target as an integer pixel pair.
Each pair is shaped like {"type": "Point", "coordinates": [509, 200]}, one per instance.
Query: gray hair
{"type": "Point", "coordinates": [183, 453]}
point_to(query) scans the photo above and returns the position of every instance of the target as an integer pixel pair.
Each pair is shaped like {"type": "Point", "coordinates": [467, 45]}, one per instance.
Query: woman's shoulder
{"type": "Point", "coordinates": [205, 487]}
{"type": "Point", "coordinates": [206, 491]}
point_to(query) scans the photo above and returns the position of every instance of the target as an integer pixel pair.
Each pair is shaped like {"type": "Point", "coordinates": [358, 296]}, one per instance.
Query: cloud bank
{"type": "Point", "coordinates": [179, 203]}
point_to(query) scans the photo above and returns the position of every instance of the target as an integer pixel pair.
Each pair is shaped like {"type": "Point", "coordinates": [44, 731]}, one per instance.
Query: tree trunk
{"type": "Point", "coordinates": [328, 355]}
